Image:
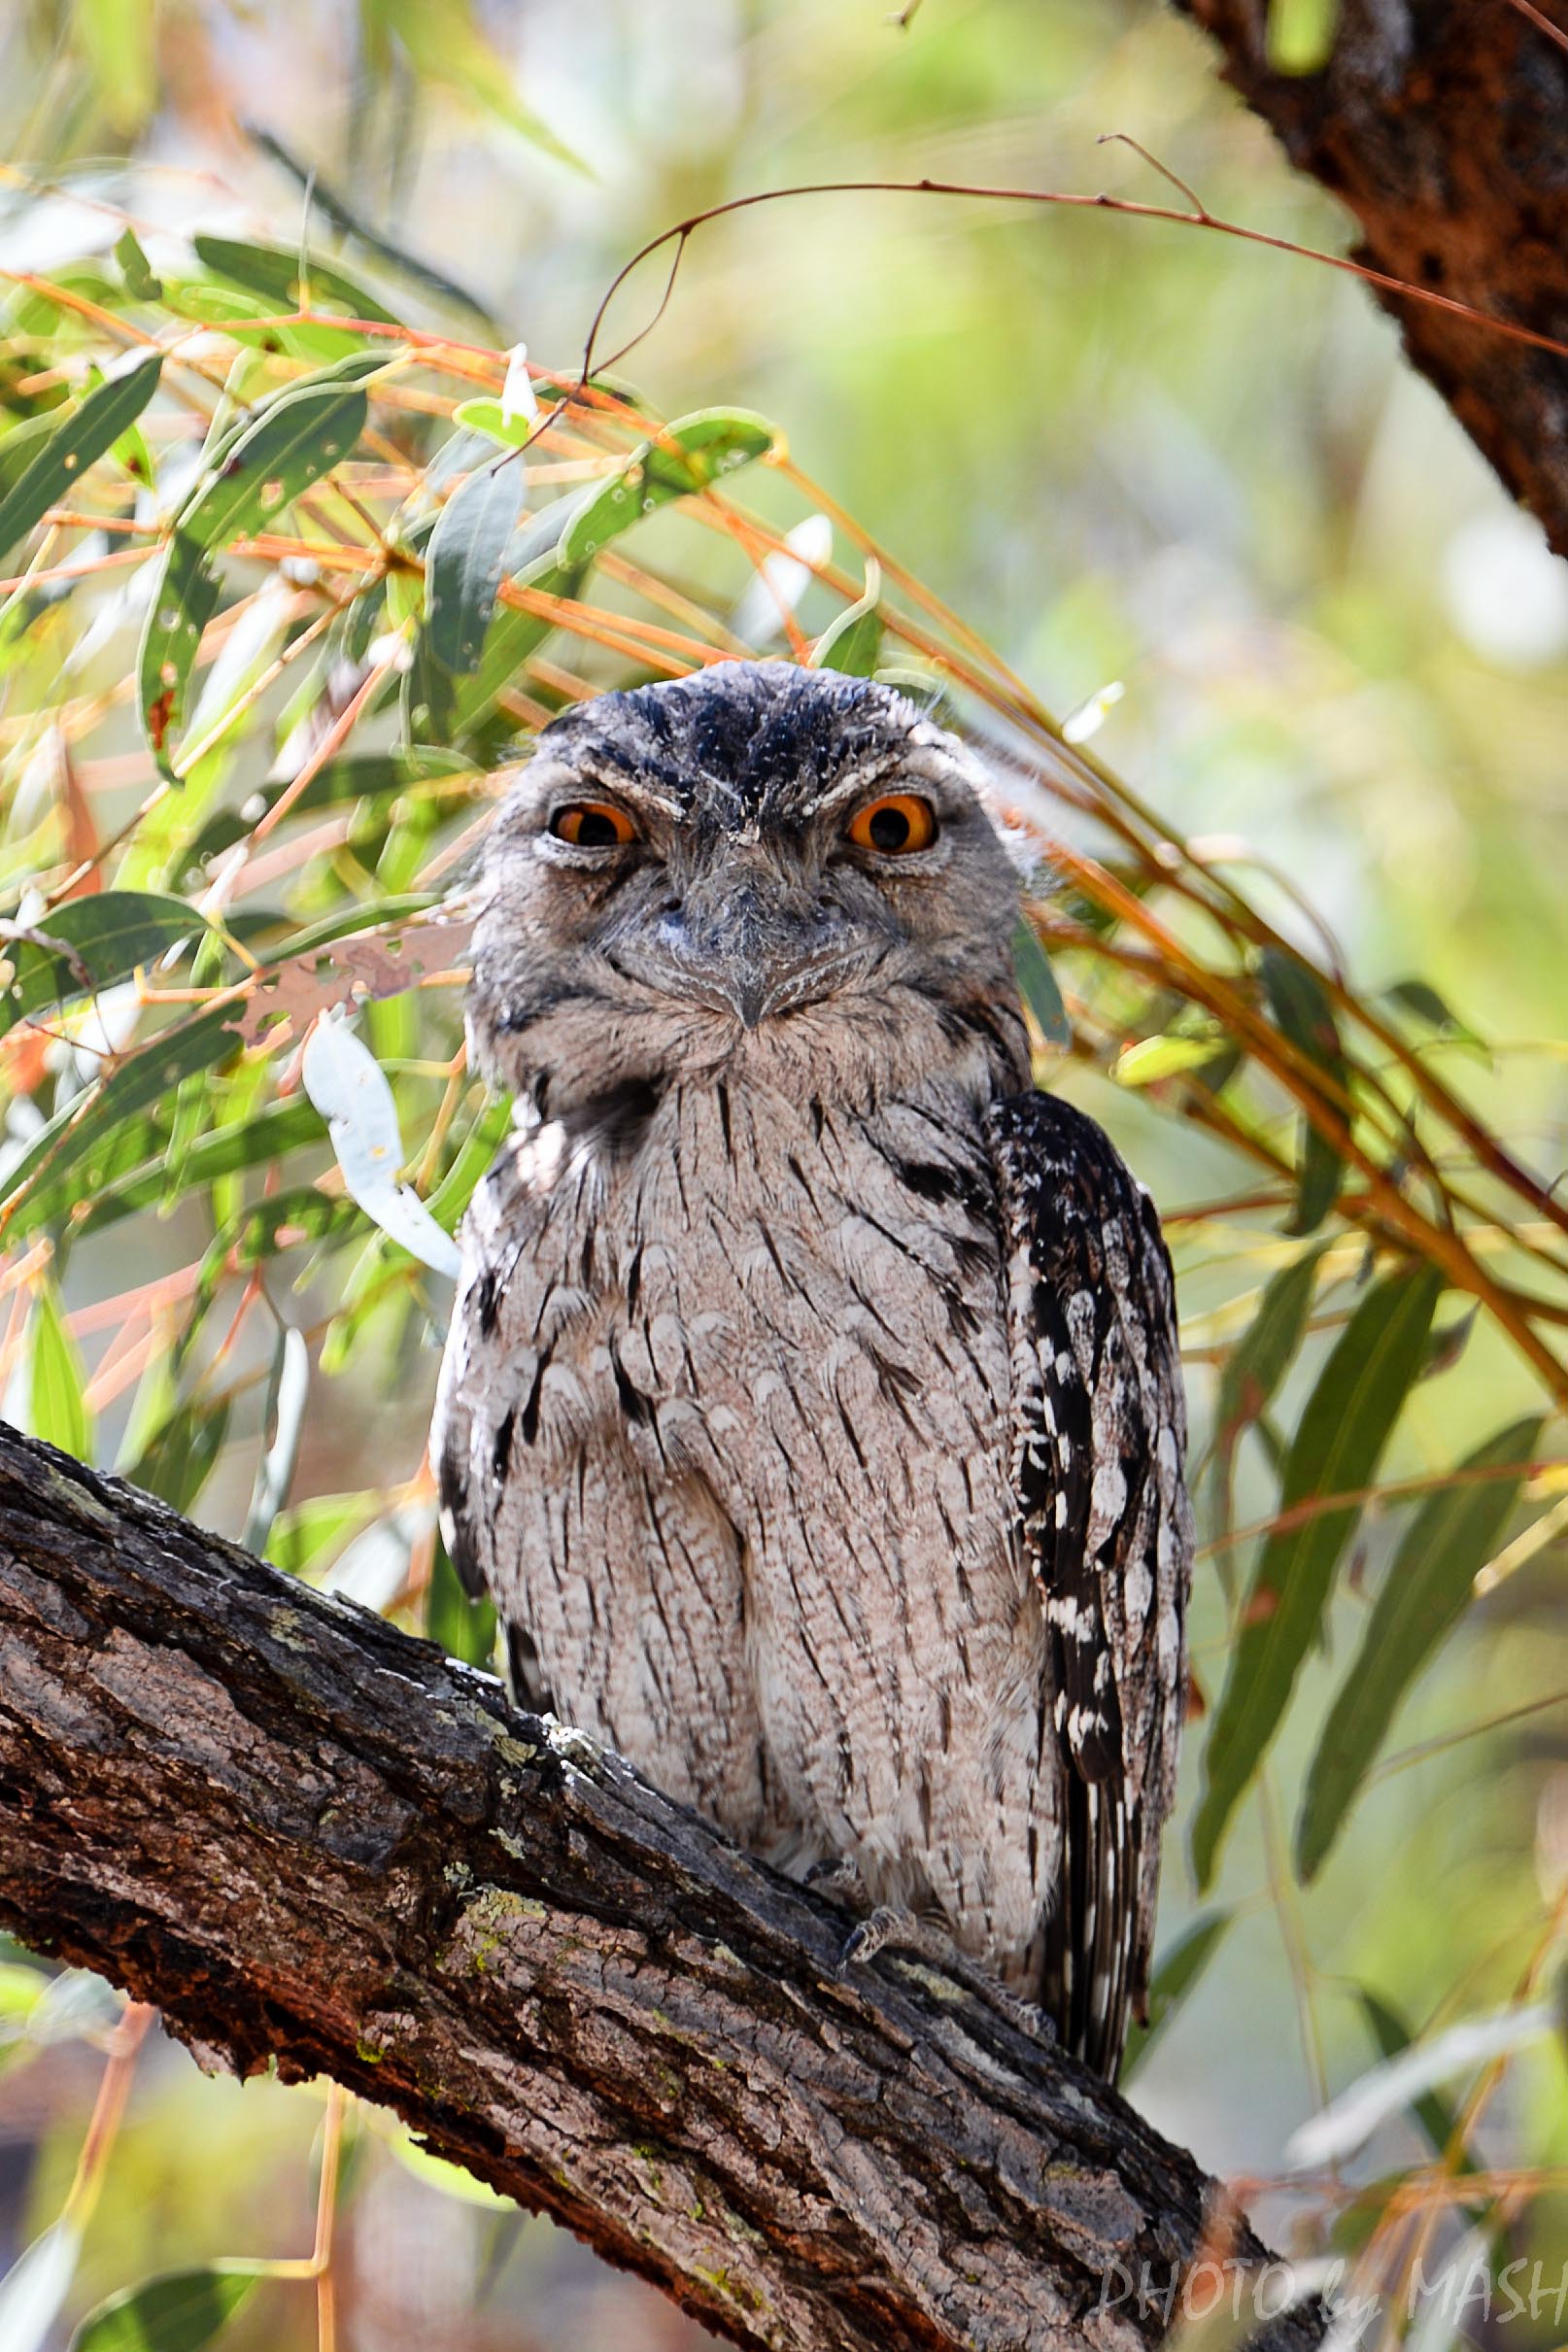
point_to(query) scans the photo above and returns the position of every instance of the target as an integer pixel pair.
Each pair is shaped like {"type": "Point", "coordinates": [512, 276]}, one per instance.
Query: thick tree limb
{"type": "Point", "coordinates": [309, 1838]}
{"type": "Point", "coordinates": [1444, 125]}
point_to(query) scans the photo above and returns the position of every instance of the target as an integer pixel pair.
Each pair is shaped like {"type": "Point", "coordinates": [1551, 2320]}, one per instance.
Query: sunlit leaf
{"type": "Point", "coordinates": [182, 2312]}
{"type": "Point", "coordinates": [1151, 1059]}
{"type": "Point", "coordinates": [135, 267]}
{"type": "Point", "coordinates": [1347, 1420]}
{"type": "Point", "coordinates": [348, 1088]}
{"type": "Point", "coordinates": [1301, 1006]}
{"type": "Point", "coordinates": [853, 644]}
{"type": "Point", "coordinates": [118, 41]}
{"type": "Point", "coordinates": [306, 1537]}
{"type": "Point", "coordinates": [1422, 1596]}
{"type": "Point", "coordinates": [1301, 33]}
{"type": "Point", "coordinates": [687, 456]}
{"type": "Point", "coordinates": [90, 943]}
{"type": "Point", "coordinates": [75, 444]}
{"type": "Point", "coordinates": [56, 1407]}
{"type": "Point", "coordinates": [36, 2285]}
{"type": "Point", "coordinates": [464, 1627]}
{"type": "Point", "coordinates": [1175, 1973]}
{"type": "Point", "coordinates": [446, 46]}
{"type": "Point", "coordinates": [782, 578]}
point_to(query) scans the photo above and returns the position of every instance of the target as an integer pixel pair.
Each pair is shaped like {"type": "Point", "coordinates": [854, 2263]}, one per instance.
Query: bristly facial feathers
{"type": "Point", "coordinates": [812, 1409]}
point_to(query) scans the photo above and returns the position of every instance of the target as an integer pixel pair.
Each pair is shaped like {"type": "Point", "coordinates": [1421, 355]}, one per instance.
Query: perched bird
{"type": "Point", "coordinates": [812, 1410]}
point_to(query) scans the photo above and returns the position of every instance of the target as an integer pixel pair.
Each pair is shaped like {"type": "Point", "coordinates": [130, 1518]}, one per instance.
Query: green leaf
{"type": "Point", "coordinates": [182, 2312]}
{"type": "Point", "coordinates": [1300, 36]}
{"type": "Point", "coordinates": [100, 939]}
{"type": "Point", "coordinates": [1036, 983]}
{"type": "Point", "coordinates": [1151, 1059]}
{"type": "Point", "coordinates": [118, 41]}
{"type": "Point", "coordinates": [260, 1139]}
{"type": "Point", "coordinates": [446, 46]}
{"type": "Point", "coordinates": [181, 1455]}
{"type": "Point", "coordinates": [1301, 1008]}
{"type": "Point", "coordinates": [464, 561]}
{"type": "Point", "coordinates": [56, 1407]}
{"type": "Point", "coordinates": [853, 645]}
{"type": "Point", "coordinates": [1349, 1420]}
{"type": "Point", "coordinates": [688, 455]}
{"type": "Point", "coordinates": [81, 439]}
{"type": "Point", "coordinates": [464, 1628]}
{"type": "Point", "coordinates": [296, 439]}
{"type": "Point", "coordinates": [305, 1539]}
{"type": "Point", "coordinates": [70, 1159]}
{"type": "Point", "coordinates": [512, 427]}
{"type": "Point", "coordinates": [136, 269]}
{"type": "Point", "coordinates": [1422, 1597]}
{"type": "Point", "coordinates": [1267, 1348]}
{"type": "Point", "coordinates": [273, 271]}
{"type": "Point", "coordinates": [361, 775]}
{"type": "Point", "coordinates": [1175, 1973]}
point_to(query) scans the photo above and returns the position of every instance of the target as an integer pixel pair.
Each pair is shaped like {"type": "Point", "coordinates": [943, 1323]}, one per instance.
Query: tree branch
{"type": "Point", "coordinates": [312, 1839]}
{"type": "Point", "coordinates": [1440, 125]}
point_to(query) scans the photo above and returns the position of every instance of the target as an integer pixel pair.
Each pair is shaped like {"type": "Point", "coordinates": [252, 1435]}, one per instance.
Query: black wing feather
{"type": "Point", "coordinates": [1099, 1433]}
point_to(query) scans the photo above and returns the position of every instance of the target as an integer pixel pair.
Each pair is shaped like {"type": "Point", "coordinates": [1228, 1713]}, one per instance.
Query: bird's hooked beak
{"type": "Point", "coordinates": [753, 949]}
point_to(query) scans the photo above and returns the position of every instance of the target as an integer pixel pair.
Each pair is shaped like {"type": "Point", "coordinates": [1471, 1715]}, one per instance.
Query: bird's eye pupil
{"type": "Point", "coordinates": [889, 829]}
{"type": "Point", "coordinates": [595, 830]}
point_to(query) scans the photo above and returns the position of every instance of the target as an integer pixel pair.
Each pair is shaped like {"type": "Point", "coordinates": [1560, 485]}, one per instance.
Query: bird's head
{"type": "Point", "coordinates": [757, 864]}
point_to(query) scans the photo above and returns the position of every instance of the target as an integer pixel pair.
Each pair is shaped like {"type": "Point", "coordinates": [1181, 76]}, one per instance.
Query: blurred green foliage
{"type": "Point", "coordinates": [279, 602]}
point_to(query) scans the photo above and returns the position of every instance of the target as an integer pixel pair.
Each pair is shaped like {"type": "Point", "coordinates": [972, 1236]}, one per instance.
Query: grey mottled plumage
{"type": "Point", "coordinates": [813, 1409]}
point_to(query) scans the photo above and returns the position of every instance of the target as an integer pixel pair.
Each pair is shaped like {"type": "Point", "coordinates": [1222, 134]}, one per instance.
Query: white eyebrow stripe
{"type": "Point", "coordinates": [850, 787]}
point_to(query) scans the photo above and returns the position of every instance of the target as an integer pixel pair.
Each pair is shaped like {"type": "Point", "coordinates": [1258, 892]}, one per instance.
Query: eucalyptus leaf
{"type": "Point", "coordinates": [181, 2311]}
{"type": "Point", "coordinates": [1347, 1420]}
{"type": "Point", "coordinates": [77, 442]}
{"type": "Point", "coordinates": [1426, 1591]}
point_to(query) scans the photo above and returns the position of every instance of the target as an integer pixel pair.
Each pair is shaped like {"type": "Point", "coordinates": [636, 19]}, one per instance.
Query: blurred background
{"type": "Point", "coordinates": [1126, 452]}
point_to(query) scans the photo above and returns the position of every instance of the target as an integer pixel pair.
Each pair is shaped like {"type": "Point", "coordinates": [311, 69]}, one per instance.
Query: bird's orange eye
{"type": "Point", "coordinates": [895, 825]}
{"type": "Point", "coordinates": [593, 824]}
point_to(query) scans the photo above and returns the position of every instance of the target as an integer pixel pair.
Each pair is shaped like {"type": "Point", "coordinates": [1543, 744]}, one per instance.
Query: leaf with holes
{"type": "Point", "coordinates": [687, 457]}
{"type": "Point", "coordinates": [464, 561]}
{"type": "Point", "coordinates": [90, 432]}
{"type": "Point", "coordinates": [1349, 1420]}
{"type": "Point", "coordinates": [1425, 1593]}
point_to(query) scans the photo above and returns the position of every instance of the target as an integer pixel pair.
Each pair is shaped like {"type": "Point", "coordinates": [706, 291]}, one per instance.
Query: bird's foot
{"type": "Point", "coordinates": [888, 1929]}
{"type": "Point", "coordinates": [839, 1879]}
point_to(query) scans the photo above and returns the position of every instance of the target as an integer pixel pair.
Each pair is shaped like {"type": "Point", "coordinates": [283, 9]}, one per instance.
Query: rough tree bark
{"type": "Point", "coordinates": [1442, 124]}
{"type": "Point", "coordinates": [312, 1840]}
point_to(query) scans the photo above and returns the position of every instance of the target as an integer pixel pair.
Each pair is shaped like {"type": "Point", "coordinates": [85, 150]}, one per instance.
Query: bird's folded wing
{"type": "Point", "coordinates": [1098, 1434]}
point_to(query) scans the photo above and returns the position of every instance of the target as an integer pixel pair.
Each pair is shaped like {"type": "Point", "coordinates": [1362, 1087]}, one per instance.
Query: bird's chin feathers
{"type": "Point", "coordinates": [570, 1052]}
